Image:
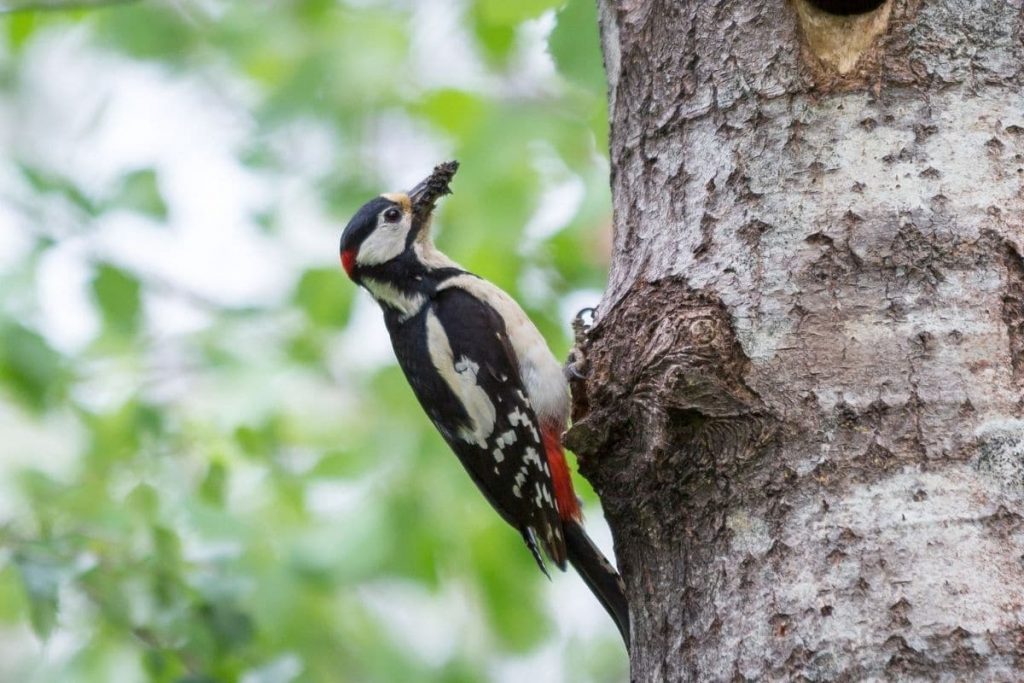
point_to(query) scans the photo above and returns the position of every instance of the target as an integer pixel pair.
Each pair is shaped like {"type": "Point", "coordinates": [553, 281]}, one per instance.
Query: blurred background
{"type": "Point", "coordinates": [211, 468]}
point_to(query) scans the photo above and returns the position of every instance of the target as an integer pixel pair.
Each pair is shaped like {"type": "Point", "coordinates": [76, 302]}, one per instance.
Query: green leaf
{"type": "Point", "coordinates": [575, 45]}
{"type": "Point", "coordinates": [231, 627]}
{"type": "Point", "coordinates": [119, 433]}
{"type": "Point", "coordinates": [140, 192]}
{"type": "Point", "coordinates": [251, 440]}
{"type": "Point", "coordinates": [455, 111]}
{"type": "Point", "coordinates": [325, 295]}
{"type": "Point", "coordinates": [166, 547]}
{"type": "Point", "coordinates": [29, 367]}
{"type": "Point", "coordinates": [118, 295]}
{"type": "Point", "coordinates": [20, 27]}
{"type": "Point", "coordinates": [41, 577]}
{"type": "Point", "coordinates": [46, 182]}
{"type": "Point", "coordinates": [307, 347]}
{"type": "Point", "coordinates": [339, 465]}
{"type": "Point", "coordinates": [214, 484]}
{"type": "Point", "coordinates": [150, 30]}
{"type": "Point", "coordinates": [261, 440]}
{"type": "Point", "coordinates": [13, 602]}
{"type": "Point", "coordinates": [513, 13]}
{"type": "Point", "coordinates": [496, 39]}
{"type": "Point", "coordinates": [143, 500]}
{"type": "Point", "coordinates": [495, 23]}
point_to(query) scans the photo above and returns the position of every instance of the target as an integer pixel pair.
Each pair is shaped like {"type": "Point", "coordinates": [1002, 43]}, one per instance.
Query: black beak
{"type": "Point", "coordinates": [433, 187]}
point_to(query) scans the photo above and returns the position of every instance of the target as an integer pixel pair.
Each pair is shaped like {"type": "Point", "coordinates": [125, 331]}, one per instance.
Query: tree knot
{"type": "Point", "coordinates": [665, 377]}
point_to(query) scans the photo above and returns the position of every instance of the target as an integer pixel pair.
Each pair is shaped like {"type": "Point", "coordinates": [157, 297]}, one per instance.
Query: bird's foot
{"type": "Point", "coordinates": [576, 367]}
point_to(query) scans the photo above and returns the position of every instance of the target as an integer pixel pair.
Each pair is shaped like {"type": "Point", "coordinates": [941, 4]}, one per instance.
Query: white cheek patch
{"type": "Point", "coordinates": [385, 242]}
{"type": "Point", "coordinates": [460, 376]}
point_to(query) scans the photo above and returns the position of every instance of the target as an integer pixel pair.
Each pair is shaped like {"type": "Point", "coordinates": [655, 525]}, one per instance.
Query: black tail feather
{"type": "Point", "coordinates": [598, 573]}
{"type": "Point", "coordinates": [531, 542]}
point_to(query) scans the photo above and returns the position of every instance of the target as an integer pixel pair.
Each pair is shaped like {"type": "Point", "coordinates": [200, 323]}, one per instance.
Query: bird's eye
{"type": "Point", "coordinates": [392, 215]}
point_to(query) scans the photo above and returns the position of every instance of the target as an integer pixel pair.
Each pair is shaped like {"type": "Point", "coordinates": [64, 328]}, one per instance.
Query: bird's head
{"type": "Point", "coordinates": [390, 226]}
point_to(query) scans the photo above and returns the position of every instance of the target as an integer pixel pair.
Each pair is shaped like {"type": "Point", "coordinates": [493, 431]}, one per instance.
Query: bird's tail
{"type": "Point", "coordinates": [598, 573]}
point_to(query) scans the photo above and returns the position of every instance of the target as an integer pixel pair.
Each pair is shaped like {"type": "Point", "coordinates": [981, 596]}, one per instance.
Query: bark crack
{"type": "Point", "coordinates": [1013, 309]}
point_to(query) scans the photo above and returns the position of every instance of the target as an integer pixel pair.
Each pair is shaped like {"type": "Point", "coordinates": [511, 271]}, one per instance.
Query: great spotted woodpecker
{"type": "Point", "coordinates": [484, 375]}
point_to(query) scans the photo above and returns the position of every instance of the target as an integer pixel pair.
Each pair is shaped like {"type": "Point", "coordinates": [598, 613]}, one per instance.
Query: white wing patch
{"type": "Point", "coordinates": [460, 376]}
{"type": "Point", "coordinates": [542, 376]}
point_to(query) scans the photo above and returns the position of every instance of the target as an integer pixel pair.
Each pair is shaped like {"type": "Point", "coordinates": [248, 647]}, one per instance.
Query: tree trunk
{"type": "Point", "coordinates": [804, 406]}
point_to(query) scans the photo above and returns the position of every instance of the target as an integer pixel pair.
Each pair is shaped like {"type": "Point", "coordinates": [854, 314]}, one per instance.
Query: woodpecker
{"type": "Point", "coordinates": [483, 374]}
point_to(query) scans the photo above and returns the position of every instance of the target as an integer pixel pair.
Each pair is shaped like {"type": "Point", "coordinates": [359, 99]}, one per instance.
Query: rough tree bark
{"type": "Point", "coordinates": [804, 407]}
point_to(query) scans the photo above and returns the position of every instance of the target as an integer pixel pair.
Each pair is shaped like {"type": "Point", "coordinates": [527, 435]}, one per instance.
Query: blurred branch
{"type": "Point", "coordinates": [12, 6]}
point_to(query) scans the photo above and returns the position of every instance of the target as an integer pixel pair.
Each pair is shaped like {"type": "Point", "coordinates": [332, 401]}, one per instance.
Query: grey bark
{"type": "Point", "coordinates": [804, 409]}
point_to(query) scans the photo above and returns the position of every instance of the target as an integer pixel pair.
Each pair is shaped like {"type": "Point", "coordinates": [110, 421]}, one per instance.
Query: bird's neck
{"type": "Point", "coordinates": [404, 285]}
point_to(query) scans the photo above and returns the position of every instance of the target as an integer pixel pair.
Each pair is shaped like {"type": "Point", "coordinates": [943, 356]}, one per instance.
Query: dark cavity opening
{"type": "Point", "coordinates": [847, 8]}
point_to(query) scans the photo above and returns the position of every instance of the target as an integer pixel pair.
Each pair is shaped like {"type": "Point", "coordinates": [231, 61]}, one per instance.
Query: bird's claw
{"type": "Point", "coordinates": [575, 367]}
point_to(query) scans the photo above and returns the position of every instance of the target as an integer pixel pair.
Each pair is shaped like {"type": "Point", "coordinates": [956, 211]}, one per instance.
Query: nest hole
{"type": "Point", "coordinates": [847, 8]}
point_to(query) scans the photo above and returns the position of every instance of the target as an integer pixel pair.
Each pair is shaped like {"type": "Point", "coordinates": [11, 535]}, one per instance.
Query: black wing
{"type": "Point", "coordinates": [457, 356]}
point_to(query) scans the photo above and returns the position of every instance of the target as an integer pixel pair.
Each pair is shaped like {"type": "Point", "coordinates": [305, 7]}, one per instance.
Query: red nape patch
{"type": "Point", "coordinates": [565, 496]}
{"type": "Point", "coordinates": [348, 261]}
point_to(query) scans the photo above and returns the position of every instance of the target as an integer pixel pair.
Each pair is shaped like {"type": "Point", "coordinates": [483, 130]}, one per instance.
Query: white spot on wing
{"type": "Point", "coordinates": [520, 418]}
{"type": "Point", "coordinates": [520, 479]}
{"type": "Point", "coordinates": [532, 457]}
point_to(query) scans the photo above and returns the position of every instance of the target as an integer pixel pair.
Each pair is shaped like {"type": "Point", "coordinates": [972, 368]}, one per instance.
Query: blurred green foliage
{"type": "Point", "coordinates": [254, 494]}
